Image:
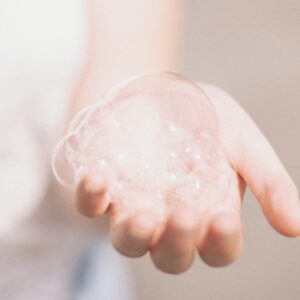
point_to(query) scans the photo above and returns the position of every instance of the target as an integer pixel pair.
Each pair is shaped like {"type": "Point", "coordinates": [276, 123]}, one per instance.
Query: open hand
{"type": "Point", "coordinates": [174, 236]}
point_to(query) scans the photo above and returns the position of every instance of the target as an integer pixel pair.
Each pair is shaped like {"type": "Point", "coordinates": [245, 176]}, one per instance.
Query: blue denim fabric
{"type": "Point", "coordinates": [101, 274]}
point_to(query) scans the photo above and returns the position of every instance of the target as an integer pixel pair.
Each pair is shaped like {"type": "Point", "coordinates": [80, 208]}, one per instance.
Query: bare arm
{"type": "Point", "coordinates": [126, 38]}
{"type": "Point", "coordinates": [133, 37]}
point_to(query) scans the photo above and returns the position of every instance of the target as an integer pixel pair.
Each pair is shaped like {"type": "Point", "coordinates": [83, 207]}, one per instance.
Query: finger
{"type": "Point", "coordinates": [222, 242]}
{"type": "Point", "coordinates": [131, 234]}
{"type": "Point", "coordinates": [92, 199]}
{"type": "Point", "coordinates": [263, 172]}
{"type": "Point", "coordinates": [254, 159]}
{"type": "Point", "coordinates": [174, 251]}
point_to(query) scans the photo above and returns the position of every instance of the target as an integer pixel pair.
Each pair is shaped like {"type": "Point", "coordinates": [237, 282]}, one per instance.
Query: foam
{"type": "Point", "coordinates": [155, 139]}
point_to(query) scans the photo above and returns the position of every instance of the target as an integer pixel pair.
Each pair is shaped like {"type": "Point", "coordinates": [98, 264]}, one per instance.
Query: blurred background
{"type": "Point", "coordinates": [249, 48]}
{"type": "Point", "coordinates": [252, 50]}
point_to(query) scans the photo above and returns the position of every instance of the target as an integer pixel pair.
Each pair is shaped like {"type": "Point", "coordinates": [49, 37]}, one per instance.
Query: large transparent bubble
{"type": "Point", "coordinates": [155, 139]}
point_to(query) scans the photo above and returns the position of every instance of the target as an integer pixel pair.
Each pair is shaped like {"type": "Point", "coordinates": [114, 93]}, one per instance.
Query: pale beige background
{"type": "Point", "coordinates": [252, 50]}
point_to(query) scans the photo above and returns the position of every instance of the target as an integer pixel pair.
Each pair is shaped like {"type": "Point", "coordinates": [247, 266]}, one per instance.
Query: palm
{"type": "Point", "coordinates": [214, 229]}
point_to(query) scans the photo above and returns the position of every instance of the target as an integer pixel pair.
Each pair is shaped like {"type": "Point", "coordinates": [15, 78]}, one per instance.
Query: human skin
{"type": "Point", "coordinates": [173, 241]}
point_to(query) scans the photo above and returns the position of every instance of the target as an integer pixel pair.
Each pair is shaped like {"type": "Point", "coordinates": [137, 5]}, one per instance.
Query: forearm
{"type": "Point", "coordinates": [126, 38]}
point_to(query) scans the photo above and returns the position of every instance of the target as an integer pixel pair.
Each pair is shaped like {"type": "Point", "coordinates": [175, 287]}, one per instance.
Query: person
{"type": "Point", "coordinates": [47, 250]}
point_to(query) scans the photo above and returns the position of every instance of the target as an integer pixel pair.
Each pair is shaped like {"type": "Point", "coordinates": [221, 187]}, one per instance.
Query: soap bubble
{"type": "Point", "coordinates": [156, 140]}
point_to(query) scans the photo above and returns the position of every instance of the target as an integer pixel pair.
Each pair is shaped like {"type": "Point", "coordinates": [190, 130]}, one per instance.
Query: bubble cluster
{"type": "Point", "coordinates": [156, 140]}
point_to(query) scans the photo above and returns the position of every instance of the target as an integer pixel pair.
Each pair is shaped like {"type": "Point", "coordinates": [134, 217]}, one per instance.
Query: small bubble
{"type": "Point", "coordinates": [103, 162]}
{"type": "Point", "coordinates": [120, 157]}
{"type": "Point", "coordinates": [187, 150]}
{"type": "Point", "coordinates": [198, 156]}
{"type": "Point", "coordinates": [197, 185]}
{"type": "Point", "coordinates": [115, 123]}
{"type": "Point", "coordinates": [172, 128]}
{"type": "Point", "coordinates": [173, 177]}
{"type": "Point", "coordinates": [146, 167]}
{"type": "Point", "coordinates": [149, 144]}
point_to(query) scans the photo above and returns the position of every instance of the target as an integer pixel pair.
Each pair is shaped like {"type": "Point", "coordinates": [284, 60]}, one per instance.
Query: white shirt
{"type": "Point", "coordinates": [42, 246]}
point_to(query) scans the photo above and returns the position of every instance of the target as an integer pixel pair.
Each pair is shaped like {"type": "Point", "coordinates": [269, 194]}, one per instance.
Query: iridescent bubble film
{"type": "Point", "coordinates": [155, 139]}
